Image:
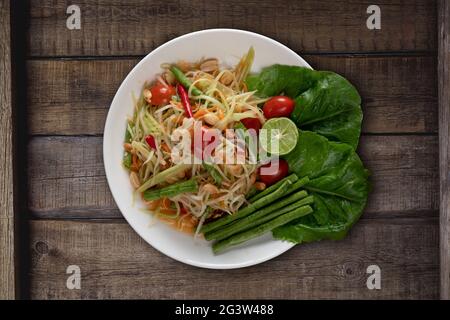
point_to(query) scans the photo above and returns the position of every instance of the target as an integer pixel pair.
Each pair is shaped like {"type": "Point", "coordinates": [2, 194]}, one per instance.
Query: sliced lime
{"type": "Point", "coordinates": [278, 136]}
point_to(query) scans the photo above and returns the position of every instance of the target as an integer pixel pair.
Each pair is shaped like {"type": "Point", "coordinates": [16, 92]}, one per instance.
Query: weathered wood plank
{"type": "Point", "coordinates": [116, 263]}
{"type": "Point", "coordinates": [66, 176]}
{"type": "Point", "coordinates": [136, 27]}
{"type": "Point", "coordinates": [69, 97]}
{"type": "Point", "coordinates": [444, 142]}
{"type": "Point", "coordinates": [8, 288]}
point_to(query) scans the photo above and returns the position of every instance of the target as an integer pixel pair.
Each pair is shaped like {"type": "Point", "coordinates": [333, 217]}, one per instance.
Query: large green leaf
{"type": "Point", "coordinates": [339, 184]}
{"type": "Point", "coordinates": [325, 102]}
{"type": "Point", "coordinates": [276, 79]}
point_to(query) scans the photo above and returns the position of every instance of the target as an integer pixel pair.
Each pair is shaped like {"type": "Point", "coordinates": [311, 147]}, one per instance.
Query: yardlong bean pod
{"type": "Point", "coordinates": [293, 178]}
{"type": "Point", "coordinates": [248, 209]}
{"type": "Point", "coordinates": [180, 76]}
{"type": "Point", "coordinates": [256, 218]}
{"type": "Point", "coordinates": [261, 229]}
{"type": "Point", "coordinates": [172, 190]}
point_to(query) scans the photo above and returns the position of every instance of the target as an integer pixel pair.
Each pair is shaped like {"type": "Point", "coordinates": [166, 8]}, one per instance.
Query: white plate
{"type": "Point", "coordinates": [228, 45]}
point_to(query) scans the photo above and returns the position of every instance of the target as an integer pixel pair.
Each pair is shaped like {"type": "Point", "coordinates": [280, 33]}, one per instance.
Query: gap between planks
{"type": "Point", "coordinates": [66, 176]}
{"type": "Point", "coordinates": [72, 97]}
{"type": "Point", "coordinates": [343, 54]}
{"type": "Point", "coordinates": [310, 26]}
{"type": "Point", "coordinates": [116, 263]}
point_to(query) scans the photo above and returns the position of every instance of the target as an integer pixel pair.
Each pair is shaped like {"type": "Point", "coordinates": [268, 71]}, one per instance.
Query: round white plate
{"type": "Point", "coordinates": [228, 45]}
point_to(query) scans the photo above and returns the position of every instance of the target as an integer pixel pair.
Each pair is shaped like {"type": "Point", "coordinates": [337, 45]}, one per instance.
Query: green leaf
{"type": "Point", "coordinates": [276, 79]}
{"type": "Point", "coordinates": [325, 102]}
{"type": "Point", "coordinates": [338, 182]}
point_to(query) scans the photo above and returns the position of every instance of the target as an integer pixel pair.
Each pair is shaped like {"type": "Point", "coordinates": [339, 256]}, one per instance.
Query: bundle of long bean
{"type": "Point", "coordinates": [275, 206]}
{"type": "Point", "coordinates": [286, 187]}
{"type": "Point", "coordinates": [290, 203]}
{"type": "Point", "coordinates": [293, 178]}
{"type": "Point", "coordinates": [261, 229]}
{"type": "Point", "coordinates": [252, 207]}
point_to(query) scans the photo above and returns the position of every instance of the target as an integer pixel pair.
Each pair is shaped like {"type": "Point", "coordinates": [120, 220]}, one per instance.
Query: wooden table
{"type": "Point", "coordinates": [56, 209]}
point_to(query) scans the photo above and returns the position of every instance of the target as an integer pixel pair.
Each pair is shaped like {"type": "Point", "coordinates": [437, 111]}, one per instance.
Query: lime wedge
{"type": "Point", "coordinates": [278, 136]}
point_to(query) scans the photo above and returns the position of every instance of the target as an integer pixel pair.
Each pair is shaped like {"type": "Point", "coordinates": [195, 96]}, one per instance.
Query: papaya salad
{"type": "Point", "coordinates": [217, 152]}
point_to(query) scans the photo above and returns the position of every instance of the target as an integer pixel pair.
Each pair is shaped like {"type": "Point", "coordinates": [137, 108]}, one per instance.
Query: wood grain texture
{"type": "Point", "coordinates": [116, 263]}
{"type": "Point", "coordinates": [136, 27]}
{"type": "Point", "coordinates": [67, 179]}
{"type": "Point", "coordinates": [444, 143]}
{"type": "Point", "coordinates": [7, 208]}
{"type": "Point", "coordinates": [70, 97]}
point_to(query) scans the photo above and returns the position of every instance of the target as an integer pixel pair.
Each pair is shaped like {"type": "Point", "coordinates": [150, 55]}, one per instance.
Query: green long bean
{"type": "Point", "coordinates": [185, 82]}
{"type": "Point", "coordinates": [297, 185]}
{"type": "Point", "coordinates": [252, 207]}
{"type": "Point", "coordinates": [253, 191]}
{"type": "Point", "coordinates": [213, 172]}
{"type": "Point", "coordinates": [172, 190]}
{"type": "Point", "coordinates": [293, 178]}
{"type": "Point", "coordinates": [259, 217]}
{"type": "Point", "coordinates": [260, 229]}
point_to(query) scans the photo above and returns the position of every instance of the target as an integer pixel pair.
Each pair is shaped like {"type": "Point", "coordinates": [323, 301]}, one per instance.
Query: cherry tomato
{"type": "Point", "coordinates": [279, 173]}
{"type": "Point", "coordinates": [252, 123]}
{"type": "Point", "coordinates": [162, 94]}
{"type": "Point", "coordinates": [278, 106]}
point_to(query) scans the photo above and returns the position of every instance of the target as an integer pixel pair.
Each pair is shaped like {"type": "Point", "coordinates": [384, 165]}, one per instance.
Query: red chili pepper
{"type": "Point", "coordinates": [151, 141]}
{"type": "Point", "coordinates": [187, 107]}
{"type": "Point", "coordinates": [184, 100]}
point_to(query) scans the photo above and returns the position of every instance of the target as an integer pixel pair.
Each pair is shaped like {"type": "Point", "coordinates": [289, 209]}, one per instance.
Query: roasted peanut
{"type": "Point", "coordinates": [127, 147]}
{"type": "Point", "coordinates": [226, 78]}
{"type": "Point", "coordinates": [147, 95]}
{"type": "Point", "coordinates": [210, 188]}
{"type": "Point", "coordinates": [210, 118]}
{"type": "Point", "coordinates": [184, 65]}
{"type": "Point", "coordinates": [235, 169]}
{"type": "Point", "coordinates": [169, 77]}
{"type": "Point", "coordinates": [209, 65]}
